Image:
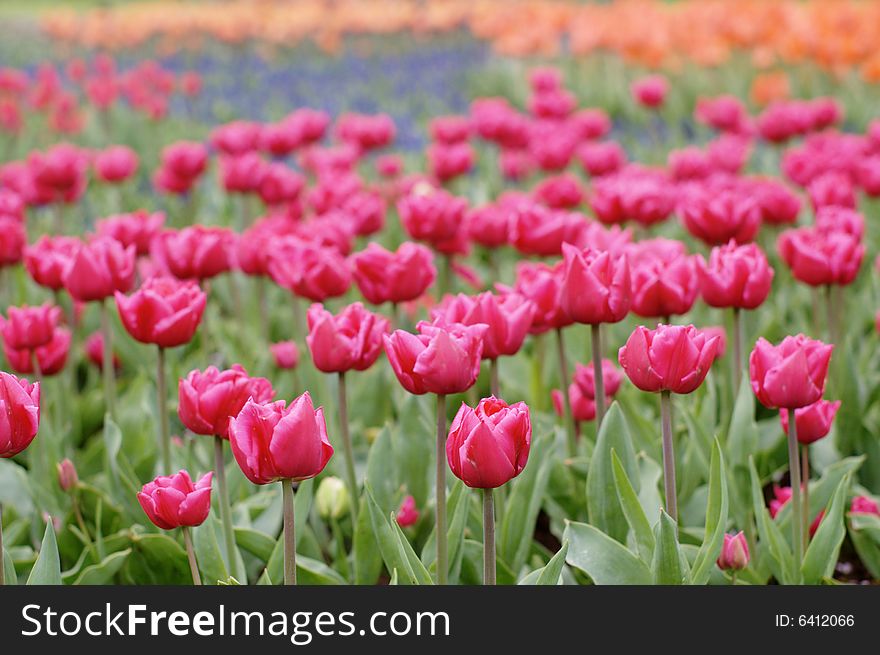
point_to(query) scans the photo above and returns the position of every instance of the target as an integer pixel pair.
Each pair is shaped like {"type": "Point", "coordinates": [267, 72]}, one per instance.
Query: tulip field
{"type": "Point", "coordinates": [440, 292]}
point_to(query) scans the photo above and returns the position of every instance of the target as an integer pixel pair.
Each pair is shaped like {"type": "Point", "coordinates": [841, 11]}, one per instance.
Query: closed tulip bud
{"type": "Point", "coordinates": [99, 269]}
{"type": "Point", "coordinates": [207, 400]}
{"type": "Point", "coordinates": [508, 316]}
{"type": "Point", "coordinates": [195, 252]}
{"type": "Point", "coordinates": [650, 91]}
{"type": "Point", "coordinates": [664, 278]}
{"type": "Point", "coordinates": [820, 258]}
{"type": "Point", "coordinates": [48, 259]}
{"type": "Point", "coordinates": [51, 357]}
{"type": "Point", "coordinates": [781, 495]}
{"type": "Point", "coordinates": [864, 505]}
{"type": "Point", "coordinates": [735, 276]}
{"type": "Point", "coordinates": [28, 327]}
{"type": "Point", "coordinates": [273, 441]}
{"type": "Point", "coordinates": [136, 229]}
{"type": "Point", "coordinates": [401, 276]}
{"type": "Point", "coordinates": [350, 340]}
{"type": "Point", "coordinates": [285, 354]}
{"type": "Point", "coordinates": [790, 375]}
{"type": "Point", "coordinates": [584, 378]}
{"type": "Point", "coordinates": [489, 445]}
{"type": "Point", "coordinates": [331, 498]}
{"type": "Point", "coordinates": [19, 414]}
{"type": "Point", "coordinates": [173, 501]}
{"type": "Point", "coordinates": [734, 553]}
{"type": "Point", "coordinates": [672, 358]}
{"type": "Point", "coordinates": [407, 514]}
{"type": "Point", "coordinates": [596, 286]}
{"type": "Point", "coordinates": [94, 348]}
{"type": "Point", "coordinates": [440, 359]}
{"type": "Point", "coordinates": [67, 477]}
{"type": "Point", "coordinates": [813, 421]}
{"type": "Point", "coordinates": [164, 311]}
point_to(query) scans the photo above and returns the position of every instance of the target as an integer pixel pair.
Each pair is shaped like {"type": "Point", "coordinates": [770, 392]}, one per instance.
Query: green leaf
{"type": "Point", "coordinates": [771, 534]}
{"type": "Point", "coordinates": [367, 558]}
{"type": "Point", "coordinates": [523, 504]}
{"type": "Point", "coordinates": [420, 572]}
{"type": "Point", "coordinates": [821, 556]}
{"type": "Point", "coordinates": [312, 572]}
{"type": "Point", "coordinates": [389, 544]}
{"type": "Point", "coordinates": [257, 543]}
{"type": "Point", "coordinates": [47, 568]}
{"type": "Point", "coordinates": [742, 437]}
{"type": "Point", "coordinates": [156, 559]}
{"type": "Point", "coordinates": [458, 504]}
{"type": "Point", "coordinates": [10, 578]}
{"type": "Point", "coordinates": [208, 554]}
{"type": "Point", "coordinates": [103, 572]}
{"type": "Point", "coordinates": [604, 559]}
{"type": "Point", "coordinates": [666, 566]}
{"type": "Point", "coordinates": [603, 507]}
{"type": "Point", "coordinates": [632, 510]}
{"type": "Point", "coordinates": [716, 519]}
{"type": "Point", "coordinates": [550, 574]}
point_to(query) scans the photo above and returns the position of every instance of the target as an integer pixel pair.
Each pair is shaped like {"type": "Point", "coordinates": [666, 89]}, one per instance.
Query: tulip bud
{"type": "Point", "coordinates": [285, 354]}
{"type": "Point", "coordinates": [734, 553]}
{"type": "Point", "coordinates": [864, 505]}
{"type": "Point", "coordinates": [813, 421]}
{"type": "Point", "coordinates": [19, 414]}
{"type": "Point", "coordinates": [332, 498]}
{"type": "Point", "coordinates": [407, 515]}
{"type": "Point", "coordinates": [67, 477]}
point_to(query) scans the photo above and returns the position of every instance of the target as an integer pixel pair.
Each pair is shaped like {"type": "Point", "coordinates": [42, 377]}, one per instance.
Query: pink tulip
{"type": "Point", "coordinates": [508, 317]}
{"type": "Point", "coordinates": [431, 215]}
{"type": "Point", "coordinates": [813, 421]}
{"type": "Point", "coordinates": [272, 441]}
{"type": "Point", "coordinates": [650, 91]}
{"type": "Point", "coordinates": [538, 230]}
{"type": "Point", "coordinates": [596, 286]}
{"type": "Point", "coordinates": [350, 340]}
{"type": "Point", "coordinates": [488, 446]}
{"type": "Point", "coordinates": [164, 311]}
{"type": "Point", "coordinates": [51, 357]}
{"type": "Point", "coordinates": [28, 327]}
{"type": "Point", "coordinates": [94, 348]}
{"type": "Point", "coordinates": [236, 138]}
{"type": "Point", "coordinates": [672, 358]}
{"type": "Point", "coordinates": [99, 269]}
{"type": "Point", "coordinates": [735, 276]}
{"type": "Point", "coordinates": [864, 505]}
{"type": "Point", "coordinates": [19, 414]}
{"type": "Point", "coordinates": [718, 216]}
{"type": "Point", "coordinates": [407, 514]}
{"type": "Point", "coordinates": [116, 164]}
{"type": "Point", "coordinates": [207, 400]}
{"type": "Point", "coordinates": [734, 553]}
{"type": "Point", "coordinates": [790, 375]}
{"type": "Point", "coordinates": [173, 501]}
{"type": "Point", "coordinates": [197, 252]}
{"type": "Point", "coordinates": [401, 276]}
{"type": "Point", "coordinates": [488, 225]}
{"type": "Point", "coordinates": [820, 258]}
{"type": "Point", "coordinates": [664, 278]}
{"type": "Point", "coordinates": [137, 228]}
{"type": "Point", "coordinates": [285, 354]}
{"type": "Point", "coordinates": [48, 259]}
{"type": "Point", "coordinates": [542, 284]}
{"type": "Point", "coordinates": [309, 270]}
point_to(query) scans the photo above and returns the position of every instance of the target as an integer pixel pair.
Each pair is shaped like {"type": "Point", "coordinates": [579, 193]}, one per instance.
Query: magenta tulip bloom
{"type": "Point", "coordinates": [596, 286]}
{"type": "Point", "coordinates": [195, 252]}
{"type": "Point", "coordinates": [350, 340]}
{"type": "Point", "coordinates": [813, 421]}
{"type": "Point", "coordinates": [27, 328]}
{"type": "Point", "coordinates": [164, 311]}
{"type": "Point", "coordinates": [408, 514]}
{"type": "Point", "coordinates": [864, 505]}
{"type": "Point", "coordinates": [400, 276]}
{"type": "Point", "coordinates": [664, 278]}
{"type": "Point", "coordinates": [99, 269]}
{"type": "Point", "coordinates": [207, 400]}
{"type": "Point", "coordinates": [735, 276]}
{"type": "Point", "coordinates": [508, 316]}
{"type": "Point", "coordinates": [819, 258]}
{"type": "Point", "coordinates": [19, 414]}
{"type": "Point", "coordinates": [489, 445]}
{"type": "Point", "coordinates": [51, 357]}
{"type": "Point", "coordinates": [790, 375]}
{"type": "Point", "coordinates": [173, 501]}
{"type": "Point", "coordinates": [273, 441]}
{"type": "Point", "coordinates": [716, 216]}
{"type": "Point", "coordinates": [285, 354]}
{"type": "Point", "coordinates": [440, 359]}
{"type": "Point", "coordinates": [672, 358]}
{"type": "Point", "coordinates": [734, 553]}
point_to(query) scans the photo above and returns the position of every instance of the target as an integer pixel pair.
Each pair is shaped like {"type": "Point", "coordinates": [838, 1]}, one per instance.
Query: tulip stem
{"type": "Point", "coordinates": [494, 386]}
{"type": "Point", "coordinates": [263, 304]}
{"type": "Point", "coordinates": [537, 381]}
{"type": "Point", "coordinates": [225, 505]}
{"type": "Point", "coordinates": [348, 451]}
{"type": "Point", "coordinates": [191, 555]}
{"type": "Point", "coordinates": [488, 537]}
{"type": "Point", "coordinates": [163, 411]}
{"type": "Point", "coordinates": [668, 455]}
{"type": "Point", "coordinates": [598, 378]}
{"type": "Point", "coordinates": [566, 402]}
{"type": "Point", "coordinates": [289, 534]}
{"type": "Point", "coordinates": [794, 469]}
{"type": "Point", "coordinates": [107, 368]}
{"type": "Point", "coordinates": [2, 555]}
{"type": "Point", "coordinates": [805, 476]}
{"type": "Point", "coordinates": [737, 348]}
{"type": "Point", "coordinates": [440, 491]}
{"type": "Point", "coordinates": [831, 302]}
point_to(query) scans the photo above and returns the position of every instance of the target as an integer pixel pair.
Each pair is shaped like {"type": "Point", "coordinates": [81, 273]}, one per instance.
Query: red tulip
{"type": "Point", "coordinates": [790, 375]}
{"type": "Point", "coordinates": [596, 286]}
{"type": "Point", "coordinates": [664, 278]}
{"type": "Point", "coordinates": [51, 357]}
{"type": "Point", "coordinates": [19, 414]}
{"type": "Point", "coordinates": [734, 553]}
{"type": "Point", "coordinates": [207, 400]}
{"type": "Point", "coordinates": [173, 501]}
{"type": "Point", "coordinates": [542, 284]}
{"type": "Point", "coordinates": [718, 216]}
{"type": "Point", "coordinates": [285, 354]}
{"type": "Point", "coordinates": [819, 258]}
{"type": "Point", "coordinates": [309, 270]}
{"type": "Point", "coordinates": [48, 259]}
{"type": "Point", "coordinates": [508, 317]}
{"type": "Point", "coordinates": [137, 228]}
{"type": "Point", "coordinates": [350, 340]}
{"type": "Point", "coordinates": [735, 276]}
{"type": "Point", "coordinates": [29, 327]}
{"type": "Point", "coordinates": [196, 252]}
{"type": "Point", "coordinates": [440, 359]}
{"type": "Point", "coordinates": [407, 514]}
{"type": "Point", "coordinates": [383, 276]}
{"type": "Point", "coordinates": [164, 311]}
{"type": "Point", "coordinates": [672, 358]}
{"type": "Point", "coordinates": [271, 441]}
{"type": "Point", "coordinates": [650, 91]}
{"type": "Point", "coordinates": [813, 421]}
{"type": "Point", "coordinates": [116, 163]}
{"type": "Point", "coordinates": [99, 269]}
{"type": "Point", "coordinates": [488, 446]}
